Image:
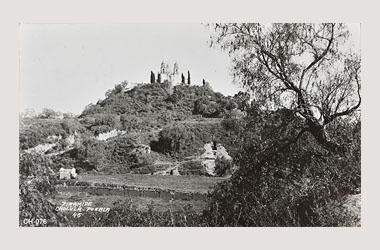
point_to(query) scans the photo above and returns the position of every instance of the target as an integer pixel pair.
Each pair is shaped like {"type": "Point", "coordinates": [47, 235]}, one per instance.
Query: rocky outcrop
{"type": "Point", "coordinates": [208, 159]}
{"type": "Point", "coordinates": [54, 144]}
{"type": "Point", "coordinates": [41, 149]}
{"type": "Point", "coordinates": [221, 153]}
{"type": "Point", "coordinates": [53, 138]}
{"type": "Point", "coordinates": [211, 156]}
{"type": "Point", "coordinates": [237, 114]}
{"type": "Point", "coordinates": [110, 134]}
{"type": "Point", "coordinates": [71, 139]}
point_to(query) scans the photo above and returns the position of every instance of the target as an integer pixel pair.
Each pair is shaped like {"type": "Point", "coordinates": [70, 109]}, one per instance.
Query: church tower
{"type": "Point", "coordinates": [165, 74]}
{"type": "Point", "coordinates": [163, 68]}
{"type": "Point", "coordinates": [175, 75]}
{"type": "Point", "coordinates": [175, 70]}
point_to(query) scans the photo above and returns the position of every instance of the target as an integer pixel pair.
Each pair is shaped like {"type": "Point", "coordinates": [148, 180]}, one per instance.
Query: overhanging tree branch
{"type": "Point", "coordinates": [321, 56]}
{"type": "Point", "coordinates": [349, 110]}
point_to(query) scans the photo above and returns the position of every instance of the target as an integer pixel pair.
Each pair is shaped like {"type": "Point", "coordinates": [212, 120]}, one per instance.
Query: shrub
{"type": "Point", "coordinates": [280, 183]}
{"type": "Point", "coordinates": [223, 167]}
{"type": "Point", "coordinates": [192, 168]}
{"type": "Point", "coordinates": [37, 131]}
{"type": "Point", "coordinates": [143, 159]}
{"type": "Point", "coordinates": [37, 181]}
{"type": "Point", "coordinates": [49, 114]}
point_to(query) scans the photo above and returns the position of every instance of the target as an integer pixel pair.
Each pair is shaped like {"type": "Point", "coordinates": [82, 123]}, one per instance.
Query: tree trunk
{"type": "Point", "coordinates": [319, 133]}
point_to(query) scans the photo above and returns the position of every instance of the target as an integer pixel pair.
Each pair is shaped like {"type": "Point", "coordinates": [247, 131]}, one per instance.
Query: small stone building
{"type": "Point", "coordinates": [67, 174]}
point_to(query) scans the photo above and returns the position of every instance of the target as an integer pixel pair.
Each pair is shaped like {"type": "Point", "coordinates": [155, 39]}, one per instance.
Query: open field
{"type": "Point", "coordinates": [189, 183]}
{"type": "Point", "coordinates": [199, 184]}
{"type": "Point", "coordinates": [141, 203]}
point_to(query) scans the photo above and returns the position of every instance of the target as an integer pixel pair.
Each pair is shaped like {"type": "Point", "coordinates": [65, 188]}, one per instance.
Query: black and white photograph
{"type": "Point", "coordinates": [190, 124]}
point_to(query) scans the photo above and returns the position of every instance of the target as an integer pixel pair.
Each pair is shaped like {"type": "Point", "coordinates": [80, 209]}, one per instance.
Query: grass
{"type": "Point", "coordinates": [141, 203]}
{"type": "Point", "coordinates": [181, 183]}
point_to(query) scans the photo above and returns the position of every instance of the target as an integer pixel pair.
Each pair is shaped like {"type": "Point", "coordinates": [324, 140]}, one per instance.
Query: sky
{"type": "Point", "coordinates": [67, 66]}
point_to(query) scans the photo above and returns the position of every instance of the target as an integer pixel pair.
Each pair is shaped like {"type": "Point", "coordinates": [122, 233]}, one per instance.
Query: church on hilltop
{"type": "Point", "coordinates": [170, 75]}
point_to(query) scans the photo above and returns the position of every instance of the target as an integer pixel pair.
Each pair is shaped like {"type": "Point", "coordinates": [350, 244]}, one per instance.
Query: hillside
{"type": "Point", "coordinates": [152, 106]}
{"type": "Point", "coordinates": [132, 137]}
{"type": "Point", "coordinates": [115, 134]}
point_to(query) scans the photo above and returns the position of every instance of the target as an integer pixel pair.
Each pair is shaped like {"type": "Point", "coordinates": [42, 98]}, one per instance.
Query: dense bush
{"type": "Point", "coordinates": [192, 168]}
{"type": "Point", "coordinates": [205, 107]}
{"type": "Point", "coordinates": [35, 131]}
{"type": "Point", "coordinates": [223, 167]}
{"type": "Point", "coordinates": [187, 139]}
{"type": "Point", "coordinates": [283, 183]}
{"type": "Point", "coordinates": [117, 153]}
{"type": "Point", "coordinates": [101, 123]}
{"type": "Point", "coordinates": [49, 114]}
{"type": "Point", "coordinates": [36, 185]}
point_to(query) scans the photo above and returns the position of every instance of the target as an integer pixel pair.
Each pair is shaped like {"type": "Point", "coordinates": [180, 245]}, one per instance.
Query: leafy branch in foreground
{"type": "Point", "coordinates": [303, 67]}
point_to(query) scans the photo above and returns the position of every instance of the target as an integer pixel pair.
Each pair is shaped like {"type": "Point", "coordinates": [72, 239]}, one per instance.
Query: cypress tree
{"type": "Point", "coordinates": [188, 77]}
{"type": "Point", "coordinates": [182, 78]}
{"type": "Point", "coordinates": [152, 77]}
{"type": "Point", "coordinates": [159, 78]}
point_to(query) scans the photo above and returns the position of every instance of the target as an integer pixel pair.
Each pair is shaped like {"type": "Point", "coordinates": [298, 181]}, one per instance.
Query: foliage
{"type": "Point", "coordinates": [223, 167]}
{"type": "Point", "coordinates": [126, 214]}
{"type": "Point", "coordinates": [101, 123]}
{"type": "Point", "coordinates": [293, 161]}
{"type": "Point", "coordinates": [92, 151]}
{"type": "Point", "coordinates": [205, 107]}
{"type": "Point", "coordinates": [173, 140]}
{"type": "Point", "coordinates": [183, 140]}
{"type": "Point", "coordinates": [114, 155]}
{"type": "Point", "coordinates": [36, 131]}
{"type": "Point", "coordinates": [152, 77]}
{"type": "Point", "coordinates": [193, 167]}
{"type": "Point", "coordinates": [159, 78]}
{"type": "Point", "coordinates": [282, 181]}
{"type": "Point", "coordinates": [295, 164]}
{"type": "Point", "coordinates": [48, 114]}
{"type": "Point", "coordinates": [37, 182]}
{"type": "Point", "coordinates": [188, 78]}
{"type": "Point", "coordinates": [303, 67]}
{"type": "Point", "coordinates": [150, 107]}
{"type": "Point", "coordinates": [37, 185]}
{"type": "Point", "coordinates": [339, 213]}
{"type": "Point", "coordinates": [242, 100]}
